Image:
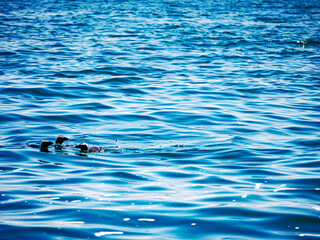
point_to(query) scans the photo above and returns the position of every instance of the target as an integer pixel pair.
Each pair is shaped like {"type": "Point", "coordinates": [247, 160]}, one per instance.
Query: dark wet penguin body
{"type": "Point", "coordinates": [85, 148]}
{"type": "Point", "coordinates": [59, 141]}
{"type": "Point", "coordinates": [33, 145]}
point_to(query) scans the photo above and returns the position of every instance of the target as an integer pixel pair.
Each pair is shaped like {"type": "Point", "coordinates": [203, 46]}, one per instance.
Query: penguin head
{"type": "Point", "coordinates": [60, 139]}
{"type": "Point", "coordinates": [83, 147]}
{"type": "Point", "coordinates": [45, 144]}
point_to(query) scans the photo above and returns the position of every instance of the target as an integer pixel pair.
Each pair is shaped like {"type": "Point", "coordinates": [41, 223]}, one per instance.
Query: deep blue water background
{"type": "Point", "coordinates": [208, 110]}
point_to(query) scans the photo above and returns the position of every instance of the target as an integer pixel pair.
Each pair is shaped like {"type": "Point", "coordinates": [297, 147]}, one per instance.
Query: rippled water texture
{"type": "Point", "coordinates": [208, 112]}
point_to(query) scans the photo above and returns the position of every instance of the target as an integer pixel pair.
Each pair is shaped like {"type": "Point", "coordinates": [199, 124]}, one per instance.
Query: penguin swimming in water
{"type": "Point", "coordinates": [44, 145]}
{"type": "Point", "coordinates": [85, 148]}
{"type": "Point", "coordinates": [59, 140]}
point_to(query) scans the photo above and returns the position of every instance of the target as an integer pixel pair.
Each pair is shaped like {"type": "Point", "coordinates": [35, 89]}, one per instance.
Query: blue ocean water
{"type": "Point", "coordinates": [208, 112]}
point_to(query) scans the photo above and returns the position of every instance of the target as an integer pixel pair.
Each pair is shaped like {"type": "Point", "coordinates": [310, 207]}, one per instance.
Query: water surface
{"type": "Point", "coordinates": [208, 111]}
